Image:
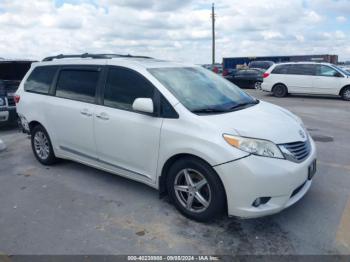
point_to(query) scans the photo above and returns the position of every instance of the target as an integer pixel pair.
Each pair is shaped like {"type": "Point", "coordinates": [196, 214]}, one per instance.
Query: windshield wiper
{"type": "Point", "coordinates": [235, 107]}
{"type": "Point", "coordinates": [213, 110]}
{"type": "Point", "coordinates": [209, 110]}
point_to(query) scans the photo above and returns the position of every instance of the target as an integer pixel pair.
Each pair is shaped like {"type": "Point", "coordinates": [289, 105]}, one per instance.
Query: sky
{"type": "Point", "coordinates": [178, 30]}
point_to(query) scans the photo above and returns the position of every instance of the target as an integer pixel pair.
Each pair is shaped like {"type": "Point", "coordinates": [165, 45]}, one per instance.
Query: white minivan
{"type": "Point", "coordinates": [179, 128]}
{"type": "Point", "coordinates": [307, 78]}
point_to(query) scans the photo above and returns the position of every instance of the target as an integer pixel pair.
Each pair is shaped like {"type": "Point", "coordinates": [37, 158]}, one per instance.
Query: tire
{"type": "Point", "coordinates": [280, 90]}
{"type": "Point", "coordinates": [257, 85]}
{"type": "Point", "coordinates": [206, 191]}
{"type": "Point", "coordinates": [41, 146]}
{"type": "Point", "coordinates": [345, 94]}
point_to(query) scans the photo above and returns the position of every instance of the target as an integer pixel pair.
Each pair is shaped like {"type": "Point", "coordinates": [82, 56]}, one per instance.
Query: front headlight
{"type": "Point", "coordinates": [254, 146]}
{"type": "Point", "coordinates": [2, 101]}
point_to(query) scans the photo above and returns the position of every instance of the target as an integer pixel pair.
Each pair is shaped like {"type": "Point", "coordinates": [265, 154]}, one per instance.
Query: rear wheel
{"type": "Point", "coordinates": [346, 94]}
{"type": "Point", "coordinates": [257, 85]}
{"type": "Point", "coordinates": [196, 190]}
{"type": "Point", "coordinates": [280, 90]}
{"type": "Point", "coordinates": [41, 146]}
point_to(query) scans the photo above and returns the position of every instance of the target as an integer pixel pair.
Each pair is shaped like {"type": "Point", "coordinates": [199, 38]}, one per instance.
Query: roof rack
{"type": "Point", "coordinates": [93, 56]}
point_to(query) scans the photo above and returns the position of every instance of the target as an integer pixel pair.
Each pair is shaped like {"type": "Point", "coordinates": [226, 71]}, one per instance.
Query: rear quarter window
{"type": "Point", "coordinates": [40, 80]}
{"type": "Point", "coordinates": [280, 69]}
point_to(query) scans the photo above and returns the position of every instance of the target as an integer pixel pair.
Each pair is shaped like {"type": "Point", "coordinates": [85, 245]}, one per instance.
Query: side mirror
{"type": "Point", "coordinates": [143, 105]}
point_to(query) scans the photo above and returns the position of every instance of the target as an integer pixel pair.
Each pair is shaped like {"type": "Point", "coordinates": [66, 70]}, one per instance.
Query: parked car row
{"type": "Point", "coordinates": [281, 79]}
{"type": "Point", "coordinates": [293, 78]}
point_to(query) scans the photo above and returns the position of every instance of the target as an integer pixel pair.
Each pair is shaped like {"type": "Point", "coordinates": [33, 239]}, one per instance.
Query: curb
{"type": "Point", "coordinates": [2, 146]}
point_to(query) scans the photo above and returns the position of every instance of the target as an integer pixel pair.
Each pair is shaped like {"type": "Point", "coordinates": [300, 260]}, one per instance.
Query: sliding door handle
{"type": "Point", "coordinates": [85, 112]}
{"type": "Point", "coordinates": [103, 116]}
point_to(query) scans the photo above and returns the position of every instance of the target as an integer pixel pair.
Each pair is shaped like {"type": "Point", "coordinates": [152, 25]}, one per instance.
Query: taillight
{"type": "Point", "coordinates": [265, 75]}
{"type": "Point", "coordinates": [225, 72]}
{"type": "Point", "coordinates": [17, 98]}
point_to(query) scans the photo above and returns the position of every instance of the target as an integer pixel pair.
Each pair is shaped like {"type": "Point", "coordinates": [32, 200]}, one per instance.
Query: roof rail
{"type": "Point", "coordinates": [93, 56]}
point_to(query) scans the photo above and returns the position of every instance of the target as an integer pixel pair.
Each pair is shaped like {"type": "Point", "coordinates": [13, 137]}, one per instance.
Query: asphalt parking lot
{"type": "Point", "coordinates": [73, 209]}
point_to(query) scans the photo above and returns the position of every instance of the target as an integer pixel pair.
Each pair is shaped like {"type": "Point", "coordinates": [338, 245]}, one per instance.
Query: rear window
{"type": "Point", "coordinates": [40, 79]}
{"type": "Point", "coordinates": [280, 69]}
{"type": "Point", "coordinates": [260, 64]}
{"type": "Point", "coordinates": [77, 84]}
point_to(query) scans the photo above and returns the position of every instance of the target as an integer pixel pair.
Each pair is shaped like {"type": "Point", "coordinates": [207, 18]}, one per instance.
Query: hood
{"type": "Point", "coordinates": [263, 121]}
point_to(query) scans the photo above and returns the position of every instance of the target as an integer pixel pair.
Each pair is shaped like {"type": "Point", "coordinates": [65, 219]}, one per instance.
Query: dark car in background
{"type": "Point", "coordinates": [11, 74]}
{"type": "Point", "coordinates": [246, 78]}
{"type": "Point", "coordinates": [216, 68]}
{"type": "Point", "coordinates": [264, 65]}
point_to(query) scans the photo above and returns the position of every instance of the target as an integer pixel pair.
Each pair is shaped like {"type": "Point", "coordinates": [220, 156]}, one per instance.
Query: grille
{"type": "Point", "coordinates": [296, 151]}
{"type": "Point", "coordinates": [11, 101]}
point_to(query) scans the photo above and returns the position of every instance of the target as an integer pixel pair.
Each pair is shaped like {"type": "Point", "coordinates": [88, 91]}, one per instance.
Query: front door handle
{"type": "Point", "coordinates": [103, 116]}
{"type": "Point", "coordinates": [85, 112]}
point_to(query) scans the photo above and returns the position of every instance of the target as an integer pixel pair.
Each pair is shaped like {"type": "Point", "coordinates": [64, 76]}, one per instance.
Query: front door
{"type": "Point", "coordinates": [127, 141]}
{"type": "Point", "coordinates": [328, 80]}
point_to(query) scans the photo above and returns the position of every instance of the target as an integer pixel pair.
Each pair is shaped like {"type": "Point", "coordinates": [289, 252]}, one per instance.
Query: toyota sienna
{"type": "Point", "coordinates": [178, 128]}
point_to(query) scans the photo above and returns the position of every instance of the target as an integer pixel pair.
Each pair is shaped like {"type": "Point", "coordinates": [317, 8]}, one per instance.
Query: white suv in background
{"type": "Point", "coordinates": [307, 78]}
{"type": "Point", "coordinates": [178, 128]}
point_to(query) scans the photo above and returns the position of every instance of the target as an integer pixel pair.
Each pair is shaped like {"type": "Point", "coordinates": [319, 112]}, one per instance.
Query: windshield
{"type": "Point", "coordinates": [201, 90]}
{"type": "Point", "coordinates": [342, 70]}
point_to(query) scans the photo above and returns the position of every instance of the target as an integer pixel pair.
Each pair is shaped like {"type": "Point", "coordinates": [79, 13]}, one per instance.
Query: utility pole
{"type": "Point", "coordinates": [213, 33]}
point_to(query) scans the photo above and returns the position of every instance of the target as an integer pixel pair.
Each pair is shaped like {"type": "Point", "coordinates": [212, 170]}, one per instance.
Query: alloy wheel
{"type": "Point", "coordinates": [346, 94]}
{"type": "Point", "coordinates": [257, 85]}
{"type": "Point", "coordinates": [192, 190]}
{"type": "Point", "coordinates": [41, 145]}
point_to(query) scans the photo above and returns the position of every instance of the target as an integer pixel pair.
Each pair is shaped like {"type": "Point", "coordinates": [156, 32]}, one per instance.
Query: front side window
{"type": "Point", "coordinates": [200, 90]}
{"type": "Point", "coordinates": [77, 84]}
{"type": "Point", "coordinates": [40, 79]}
{"type": "Point", "coordinates": [124, 86]}
{"type": "Point", "coordinates": [326, 71]}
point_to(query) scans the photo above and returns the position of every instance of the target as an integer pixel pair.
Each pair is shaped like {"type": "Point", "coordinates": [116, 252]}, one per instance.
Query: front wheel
{"type": "Point", "coordinates": [196, 190]}
{"type": "Point", "coordinates": [280, 90]}
{"type": "Point", "coordinates": [346, 94]}
{"type": "Point", "coordinates": [41, 146]}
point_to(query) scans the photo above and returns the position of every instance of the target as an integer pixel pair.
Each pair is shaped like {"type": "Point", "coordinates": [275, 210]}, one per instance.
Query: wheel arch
{"type": "Point", "coordinates": [279, 83]}
{"type": "Point", "coordinates": [164, 173]}
{"type": "Point", "coordinates": [342, 89]}
{"type": "Point", "coordinates": [33, 124]}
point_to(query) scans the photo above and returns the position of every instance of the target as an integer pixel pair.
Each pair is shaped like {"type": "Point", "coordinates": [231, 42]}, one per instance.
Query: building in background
{"type": "Point", "coordinates": [233, 62]}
